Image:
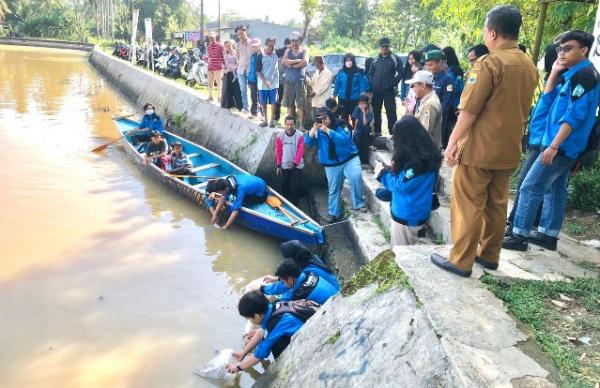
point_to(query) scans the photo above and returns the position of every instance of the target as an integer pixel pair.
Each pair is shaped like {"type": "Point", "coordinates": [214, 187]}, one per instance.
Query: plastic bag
{"type": "Point", "coordinates": [215, 368]}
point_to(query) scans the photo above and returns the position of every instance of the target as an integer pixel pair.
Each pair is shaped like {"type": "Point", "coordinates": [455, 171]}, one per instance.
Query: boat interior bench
{"type": "Point", "coordinates": [205, 167]}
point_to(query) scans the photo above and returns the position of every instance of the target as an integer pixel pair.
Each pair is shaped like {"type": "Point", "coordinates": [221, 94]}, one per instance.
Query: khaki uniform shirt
{"type": "Point", "coordinates": [499, 91]}
{"type": "Point", "coordinates": [429, 113]}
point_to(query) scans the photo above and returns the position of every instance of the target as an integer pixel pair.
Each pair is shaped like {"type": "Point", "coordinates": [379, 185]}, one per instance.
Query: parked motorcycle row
{"type": "Point", "coordinates": [172, 62]}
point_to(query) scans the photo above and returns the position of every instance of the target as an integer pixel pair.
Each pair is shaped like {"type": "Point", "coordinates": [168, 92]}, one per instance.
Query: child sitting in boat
{"type": "Point", "coordinates": [248, 190]}
{"type": "Point", "coordinates": [180, 162]}
{"type": "Point", "coordinates": [157, 151]}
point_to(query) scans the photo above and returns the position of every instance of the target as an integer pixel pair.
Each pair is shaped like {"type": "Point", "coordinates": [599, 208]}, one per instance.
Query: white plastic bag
{"type": "Point", "coordinates": [215, 368]}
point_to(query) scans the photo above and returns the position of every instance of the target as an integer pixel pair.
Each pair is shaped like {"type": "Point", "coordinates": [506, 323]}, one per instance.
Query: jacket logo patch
{"type": "Point", "coordinates": [409, 173]}
{"type": "Point", "coordinates": [449, 88]}
{"type": "Point", "coordinates": [472, 79]}
{"type": "Point", "coordinates": [578, 91]}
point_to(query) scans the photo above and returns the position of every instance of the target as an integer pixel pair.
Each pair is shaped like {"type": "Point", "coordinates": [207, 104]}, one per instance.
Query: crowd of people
{"type": "Point", "coordinates": [474, 120]}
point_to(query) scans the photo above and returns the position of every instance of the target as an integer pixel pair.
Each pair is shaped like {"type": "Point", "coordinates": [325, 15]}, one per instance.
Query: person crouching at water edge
{"type": "Point", "coordinates": [306, 261]}
{"type": "Point", "coordinates": [248, 190]}
{"type": "Point", "coordinates": [156, 152]}
{"type": "Point", "coordinates": [303, 284]}
{"type": "Point", "coordinates": [339, 155]}
{"type": "Point", "coordinates": [410, 179]}
{"type": "Point", "coordinates": [277, 322]}
{"type": "Point", "coordinates": [150, 122]}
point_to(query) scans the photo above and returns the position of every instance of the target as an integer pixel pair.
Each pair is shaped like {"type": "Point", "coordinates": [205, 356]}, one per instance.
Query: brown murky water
{"type": "Point", "coordinates": [106, 278]}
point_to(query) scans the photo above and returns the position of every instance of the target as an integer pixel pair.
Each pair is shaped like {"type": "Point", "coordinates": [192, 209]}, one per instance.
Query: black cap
{"type": "Point", "coordinates": [384, 41]}
{"type": "Point", "coordinates": [321, 112]}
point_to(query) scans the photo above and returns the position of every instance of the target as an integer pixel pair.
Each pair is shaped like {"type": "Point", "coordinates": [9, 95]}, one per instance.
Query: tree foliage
{"type": "Point", "coordinates": [309, 9]}
{"type": "Point", "coordinates": [344, 18]}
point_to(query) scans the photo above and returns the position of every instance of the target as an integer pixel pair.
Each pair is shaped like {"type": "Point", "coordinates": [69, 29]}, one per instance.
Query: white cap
{"type": "Point", "coordinates": [295, 35]}
{"type": "Point", "coordinates": [422, 76]}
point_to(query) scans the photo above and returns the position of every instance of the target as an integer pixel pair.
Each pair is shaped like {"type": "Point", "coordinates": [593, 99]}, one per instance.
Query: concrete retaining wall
{"type": "Point", "coordinates": [230, 135]}
{"type": "Point", "coordinates": [50, 43]}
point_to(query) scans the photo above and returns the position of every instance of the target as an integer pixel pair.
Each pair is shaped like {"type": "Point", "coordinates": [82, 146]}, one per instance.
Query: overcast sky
{"type": "Point", "coordinates": [279, 11]}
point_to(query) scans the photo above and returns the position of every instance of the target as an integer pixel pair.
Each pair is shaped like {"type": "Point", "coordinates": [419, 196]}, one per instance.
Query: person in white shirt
{"type": "Point", "coordinates": [320, 83]}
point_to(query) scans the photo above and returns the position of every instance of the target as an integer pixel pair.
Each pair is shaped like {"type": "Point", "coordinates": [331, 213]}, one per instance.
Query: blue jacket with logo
{"type": "Point", "coordinates": [573, 101]}
{"type": "Point", "coordinates": [310, 286]}
{"type": "Point", "coordinates": [344, 146]}
{"type": "Point", "coordinates": [359, 85]}
{"type": "Point", "coordinates": [153, 122]}
{"type": "Point", "coordinates": [287, 326]}
{"type": "Point", "coordinates": [443, 85]}
{"type": "Point", "coordinates": [412, 194]}
{"type": "Point", "coordinates": [244, 185]}
{"type": "Point", "coordinates": [252, 76]}
{"type": "Point", "coordinates": [279, 288]}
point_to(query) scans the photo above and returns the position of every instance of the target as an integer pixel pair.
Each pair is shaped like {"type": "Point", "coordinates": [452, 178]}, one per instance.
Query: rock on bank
{"type": "Point", "coordinates": [230, 135]}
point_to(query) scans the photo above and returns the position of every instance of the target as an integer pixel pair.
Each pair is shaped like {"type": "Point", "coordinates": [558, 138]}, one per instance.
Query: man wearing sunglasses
{"type": "Point", "coordinates": [569, 102]}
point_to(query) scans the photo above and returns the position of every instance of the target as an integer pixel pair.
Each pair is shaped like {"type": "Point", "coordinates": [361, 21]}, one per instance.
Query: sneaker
{"type": "Point", "coordinates": [515, 242]}
{"type": "Point", "coordinates": [245, 111]}
{"type": "Point", "coordinates": [273, 124]}
{"type": "Point", "coordinates": [263, 124]}
{"type": "Point", "coordinates": [508, 229]}
{"type": "Point", "coordinates": [544, 241]}
{"type": "Point", "coordinates": [362, 209]}
{"type": "Point", "coordinates": [330, 219]}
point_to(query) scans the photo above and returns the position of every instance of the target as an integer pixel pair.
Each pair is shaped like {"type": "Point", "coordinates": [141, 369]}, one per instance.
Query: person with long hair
{"type": "Point", "coordinates": [411, 179]}
{"type": "Point", "coordinates": [338, 154]}
{"type": "Point", "coordinates": [349, 84]}
{"type": "Point", "coordinates": [230, 96]}
{"type": "Point", "coordinates": [413, 57]}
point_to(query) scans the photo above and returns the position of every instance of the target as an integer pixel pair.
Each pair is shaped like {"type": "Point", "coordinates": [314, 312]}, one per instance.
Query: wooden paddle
{"type": "Point", "coordinates": [275, 203]}
{"type": "Point", "coordinates": [105, 146]}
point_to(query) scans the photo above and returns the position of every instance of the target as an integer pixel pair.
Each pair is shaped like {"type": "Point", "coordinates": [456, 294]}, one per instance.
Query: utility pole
{"type": "Point", "coordinates": [539, 31]}
{"type": "Point", "coordinates": [202, 21]}
{"type": "Point", "coordinates": [219, 21]}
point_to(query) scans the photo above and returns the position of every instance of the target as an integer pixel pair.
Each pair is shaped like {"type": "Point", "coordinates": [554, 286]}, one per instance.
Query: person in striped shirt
{"type": "Point", "coordinates": [215, 65]}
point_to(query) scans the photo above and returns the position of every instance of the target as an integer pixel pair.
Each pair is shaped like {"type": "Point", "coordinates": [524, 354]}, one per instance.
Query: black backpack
{"type": "Point", "coordinates": [589, 156]}
{"type": "Point", "coordinates": [301, 308]}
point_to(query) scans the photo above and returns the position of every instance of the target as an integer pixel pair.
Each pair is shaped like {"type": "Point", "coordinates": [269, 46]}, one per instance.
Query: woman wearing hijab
{"type": "Point", "coordinates": [338, 154]}
{"type": "Point", "coordinates": [350, 83]}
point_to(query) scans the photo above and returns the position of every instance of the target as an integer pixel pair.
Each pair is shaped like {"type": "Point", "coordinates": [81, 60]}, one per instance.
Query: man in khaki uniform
{"type": "Point", "coordinates": [428, 109]}
{"type": "Point", "coordinates": [485, 146]}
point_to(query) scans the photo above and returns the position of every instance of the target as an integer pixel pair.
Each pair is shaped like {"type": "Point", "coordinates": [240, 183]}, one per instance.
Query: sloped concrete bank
{"type": "Point", "coordinates": [230, 135]}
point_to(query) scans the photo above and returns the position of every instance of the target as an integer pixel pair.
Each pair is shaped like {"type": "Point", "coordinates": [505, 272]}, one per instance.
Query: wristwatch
{"type": "Point", "coordinates": [239, 368]}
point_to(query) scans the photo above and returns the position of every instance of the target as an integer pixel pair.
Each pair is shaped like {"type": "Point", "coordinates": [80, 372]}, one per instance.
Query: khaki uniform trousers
{"type": "Point", "coordinates": [478, 214]}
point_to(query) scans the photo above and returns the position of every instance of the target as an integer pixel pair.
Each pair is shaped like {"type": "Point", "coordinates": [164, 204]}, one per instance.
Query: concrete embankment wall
{"type": "Point", "coordinates": [228, 134]}
{"type": "Point", "coordinates": [50, 43]}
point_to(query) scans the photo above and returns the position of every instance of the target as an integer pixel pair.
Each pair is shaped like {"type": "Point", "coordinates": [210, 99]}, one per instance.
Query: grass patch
{"type": "Point", "coordinates": [439, 239]}
{"type": "Point", "coordinates": [588, 265]}
{"type": "Point", "coordinates": [382, 271]}
{"type": "Point", "coordinates": [582, 224]}
{"type": "Point", "coordinates": [385, 231]}
{"type": "Point", "coordinates": [565, 320]}
{"type": "Point", "coordinates": [333, 339]}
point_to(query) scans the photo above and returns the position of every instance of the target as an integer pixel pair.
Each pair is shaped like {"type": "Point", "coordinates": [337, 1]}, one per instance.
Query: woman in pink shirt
{"type": "Point", "coordinates": [215, 65]}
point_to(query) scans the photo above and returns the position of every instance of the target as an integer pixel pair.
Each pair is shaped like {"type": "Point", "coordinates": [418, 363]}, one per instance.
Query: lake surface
{"type": "Point", "coordinates": [107, 279]}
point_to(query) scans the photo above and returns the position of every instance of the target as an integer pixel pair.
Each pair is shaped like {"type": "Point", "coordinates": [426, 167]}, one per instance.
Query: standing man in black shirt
{"type": "Point", "coordinates": [280, 52]}
{"type": "Point", "coordinates": [384, 75]}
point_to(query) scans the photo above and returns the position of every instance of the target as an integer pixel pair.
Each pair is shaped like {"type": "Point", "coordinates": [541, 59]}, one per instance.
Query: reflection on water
{"type": "Point", "coordinates": [107, 279]}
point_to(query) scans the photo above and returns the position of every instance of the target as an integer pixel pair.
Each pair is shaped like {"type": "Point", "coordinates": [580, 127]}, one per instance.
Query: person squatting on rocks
{"type": "Point", "coordinates": [411, 179]}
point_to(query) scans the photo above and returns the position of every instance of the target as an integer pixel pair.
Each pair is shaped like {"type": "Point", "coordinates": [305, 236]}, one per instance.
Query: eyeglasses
{"type": "Point", "coordinates": [564, 49]}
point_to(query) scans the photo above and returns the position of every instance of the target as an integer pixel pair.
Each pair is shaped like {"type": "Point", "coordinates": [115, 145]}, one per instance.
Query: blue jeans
{"type": "Point", "coordinates": [335, 178]}
{"type": "Point", "coordinates": [547, 185]}
{"type": "Point", "coordinates": [243, 81]}
{"type": "Point", "coordinates": [532, 155]}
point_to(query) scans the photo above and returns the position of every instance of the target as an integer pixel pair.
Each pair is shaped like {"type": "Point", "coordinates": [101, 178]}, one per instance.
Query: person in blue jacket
{"type": "Point", "coordinates": [304, 285]}
{"type": "Point", "coordinates": [273, 335]}
{"type": "Point", "coordinates": [248, 190]}
{"type": "Point", "coordinates": [307, 262]}
{"type": "Point", "coordinates": [150, 122]}
{"type": "Point", "coordinates": [350, 83]}
{"type": "Point", "coordinates": [253, 77]}
{"type": "Point", "coordinates": [411, 179]}
{"type": "Point", "coordinates": [338, 154]}
{"type": "Point", "coordinates": [571, 97]}
{"type": "Point", "coordinates": [537, 127]}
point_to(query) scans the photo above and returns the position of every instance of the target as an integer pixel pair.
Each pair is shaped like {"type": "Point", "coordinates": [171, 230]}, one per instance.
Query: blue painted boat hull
{"type": "Point", "coordinates": [261, 218]}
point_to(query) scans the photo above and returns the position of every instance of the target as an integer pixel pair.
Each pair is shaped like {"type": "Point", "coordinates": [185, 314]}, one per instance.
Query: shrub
{"type": "Point", "coordinates": [584, 189]}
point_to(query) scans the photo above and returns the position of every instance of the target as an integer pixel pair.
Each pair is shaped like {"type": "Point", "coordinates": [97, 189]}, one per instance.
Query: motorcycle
{"type": "Point", "coordinates": [197, 73]}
